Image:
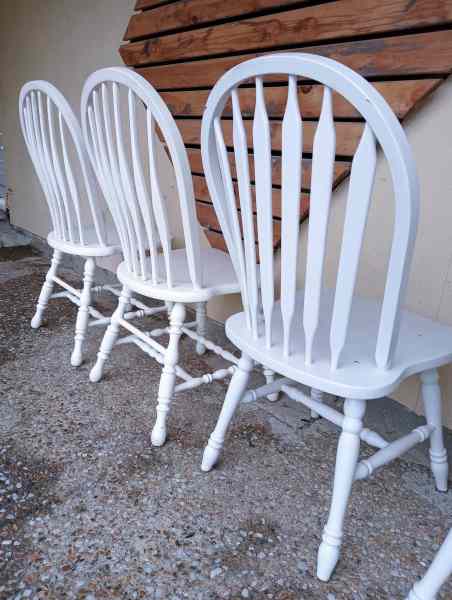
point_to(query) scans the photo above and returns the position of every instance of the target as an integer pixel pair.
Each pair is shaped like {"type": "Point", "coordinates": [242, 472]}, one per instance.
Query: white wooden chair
{"type": "Point", "coordinates": [330, 340]}
{"type": "Point", "coordinates": [114, 103]}
{"type": "Point", "coordinates": [437, 574]}
{"type": "Point", "coordinates": [55, 144]}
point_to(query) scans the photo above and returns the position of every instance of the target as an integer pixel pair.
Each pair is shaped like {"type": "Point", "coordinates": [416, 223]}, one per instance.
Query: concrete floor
{"type": "Point", "coordinates": [89, 510]}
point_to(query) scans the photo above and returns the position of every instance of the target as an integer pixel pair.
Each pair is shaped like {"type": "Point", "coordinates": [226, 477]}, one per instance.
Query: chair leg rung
{"type": "Point", "coordinates": [392, 451]}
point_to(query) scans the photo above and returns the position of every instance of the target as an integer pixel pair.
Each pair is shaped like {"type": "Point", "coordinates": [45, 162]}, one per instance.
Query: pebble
{"type": "Point", "coordinates": [245, 593]}
{"type": "Point", "coordinates": [216, 572]}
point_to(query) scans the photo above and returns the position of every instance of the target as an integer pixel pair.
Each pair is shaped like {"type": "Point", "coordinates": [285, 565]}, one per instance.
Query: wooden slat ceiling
{"type": "Point", "coordinates": [183, 46]}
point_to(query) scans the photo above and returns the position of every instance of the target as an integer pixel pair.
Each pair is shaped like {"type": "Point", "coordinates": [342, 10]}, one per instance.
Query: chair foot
{"type": "Point", "coordinates": [36, 321]}
{"type": "Point", "coordinates": [110, 336]}
{"type": "Point", "coordinates": [236, 389]}
{"type": "Point", "coordinates": [319, 396]}
{"type": "Point", "coordinates": [441, 474]}
{"type": "Point", "coordinates": [46, 290]}
{"type": "Point", "coordinates": [158, 436]}
{"type": "Point", "coordinates": [168, 377]}
{"type": "Point", "coordinates": [210, 457]}
{"type": "Point", "coordinates": [270, 378]}
{"type": "Point", "coordinates": [76, 358]}
{"type": "Point", "coordinates": [327, 559]}
{"type": "Point", "coordinates": [95, 375]}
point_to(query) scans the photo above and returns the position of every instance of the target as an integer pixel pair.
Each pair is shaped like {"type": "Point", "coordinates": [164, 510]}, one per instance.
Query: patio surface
{"type": "Point", "coordinates": [89, 510]}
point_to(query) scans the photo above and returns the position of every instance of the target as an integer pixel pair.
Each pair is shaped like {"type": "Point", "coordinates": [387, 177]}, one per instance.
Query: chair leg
{"type": "Point", "coordinates": [46, 290]}
{"type": "Point", "coordinates": [346, 461]}
{"type": "Point", "coordinates": [81, 324]}
{"type": "Point", "coordinates": [168, 377]}
{"type": "Point", "coordinates": [201, 313]}
{"type": "Point", "coordinates": [234, 394]}
{"type": "Point", "coordinates": [431, 395]}
{"type": "Point", "coordinates": [110, 336]}
{"type": "Point", "coordinates": [437, 574]}
{"type": "Point", "coordinates": [270, 378]}
{"type": "Point", "coordinates": [319, 396]}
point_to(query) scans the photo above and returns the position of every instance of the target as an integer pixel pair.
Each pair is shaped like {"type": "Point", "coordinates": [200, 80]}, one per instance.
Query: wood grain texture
{"type": "Point", "coordinates": [384, 57]}
{"type": "Point", "coordinates": [341, 168]}
{"type": "Point", "coordinates": [187, 13]}
{"type": "Point", "coordinates": [182, 47]}
{"type": "Point", "coordinates": [344, 19]}
{"type": "Point", "coordinates": [401, 96]}
{"type": "Point", "coordinates": [202, 193]}
{"type": "Point", "coordinates": [347, 134]}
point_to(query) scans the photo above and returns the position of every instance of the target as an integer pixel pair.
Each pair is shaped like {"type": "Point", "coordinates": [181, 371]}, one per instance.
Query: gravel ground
{"type": "Point", "coordinates": [89, 510]}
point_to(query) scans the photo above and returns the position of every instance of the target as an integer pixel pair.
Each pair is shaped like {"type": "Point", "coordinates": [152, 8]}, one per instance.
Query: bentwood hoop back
{"type": "Point", "coordinates": [381, 126]}
{"type": "Point", "coordinates": [55, 144]}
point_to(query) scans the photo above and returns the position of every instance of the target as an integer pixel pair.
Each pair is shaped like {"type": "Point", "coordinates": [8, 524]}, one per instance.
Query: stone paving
{"type": "Point", "coordinates": [89, 510]}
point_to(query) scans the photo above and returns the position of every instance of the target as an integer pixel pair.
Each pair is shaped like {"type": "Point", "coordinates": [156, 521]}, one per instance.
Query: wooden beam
{"type": "Point", "coordinates": [348, 134]}
{"type": "Point", "coordinates": [202, 193]}
{"type": "Point", "coordinates": [341, 168]}
{"type": "Point", "coordinates": [187, 13]}
{"type": "Point", "coordinates": [400, 95]}
{"type": "Point", "coordinates": [344, 19]}
{"type": "Point", "coordinates": [393, 57]}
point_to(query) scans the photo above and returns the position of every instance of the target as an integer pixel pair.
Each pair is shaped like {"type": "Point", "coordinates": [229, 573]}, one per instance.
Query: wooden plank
{"type": "Point", "coordinates": [216, 240]}
{"type": "Point", "coordinates": [344, 19]}
{"type": "Point", "coordinates": [202, 193]}
{"type": "Point", "coordinates": [392, 56]}
{"type": "Point", "coordinates": [208, 218]}
{"type": "Point", "coordinates": [400, 95]}
{"type": "Point", "coordinates": [348, 134]}
{"type": "Point", "coordinates": [187, 13]}
{"type": "Point", "coordinates": [341, 168]}
{"type": "Point", "coordinates": [146, 4]}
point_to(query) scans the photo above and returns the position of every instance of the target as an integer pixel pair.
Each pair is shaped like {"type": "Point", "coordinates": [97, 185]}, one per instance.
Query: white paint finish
{"type": "Point", "coordinates": [234, 394]}
{"type": "Point", "coordinates": [423, 344]}
{"type": "Point", "coordinates": [359, 197]}
{"type": "Point", "coordinates": [246, 208]}
{"type": "Point", "coordinates": [324, 149]}
{"type": "Point", "coordinates": [379, 345]}
{"type": "Point", "coordinates": [437, 574]}
{"type": "Point", "coordinates": [292, 148]}
{"type": "Point", "coordinates": [264, 209]}
{"type": "Point", "coordinates": [129, 175]}
{"type": "Point", "coordinates": [346, 462]}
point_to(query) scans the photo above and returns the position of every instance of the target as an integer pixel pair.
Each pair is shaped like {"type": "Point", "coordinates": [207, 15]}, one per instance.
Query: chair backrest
{"type": "Point", "coordinates": [380, 125]}
{"type": "Point", "coordinates": [113, 102]}
{"type": "Point", "coordinates": [55, 143]}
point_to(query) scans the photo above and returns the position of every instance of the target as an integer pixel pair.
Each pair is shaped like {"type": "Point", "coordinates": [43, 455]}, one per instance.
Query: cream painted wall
{"type": "Point", "coordinates": [62, 41]}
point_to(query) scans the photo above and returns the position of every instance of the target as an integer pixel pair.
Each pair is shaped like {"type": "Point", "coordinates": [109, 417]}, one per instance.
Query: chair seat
{"type": "Point", "coordinates": [218, 278]}
{"type": "Point", "coordinates": [423, 344]}
{"type": "Point", "coordinates": [91, 246]}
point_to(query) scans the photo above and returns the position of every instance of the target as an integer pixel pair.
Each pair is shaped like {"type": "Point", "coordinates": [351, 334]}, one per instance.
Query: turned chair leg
{"type": "Point", "coordinates": [235, 392]}
{"type": "Point", "coordinates": [110, 336]}
{"type": "Point", "coordinates": [437, 574]}
{"type": "Point", "coordinates": [431, 395]}
{"type": "Point", "coordinates": [317, 395]}
{"type": "Point", "coordinates": [47, 289]}
{"type": "Point", "coordinates": [81, 324]}
{"type": "Point", "coordinates": [346, 462]}
{"type": "Point", "coordinates": [168, 377]}
{"type": "Point", "coordinates": [270, 378]}
{"type": "Point", "coordinates": [201, 313]}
